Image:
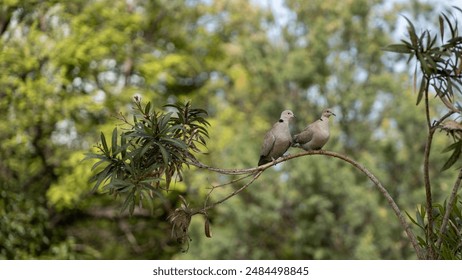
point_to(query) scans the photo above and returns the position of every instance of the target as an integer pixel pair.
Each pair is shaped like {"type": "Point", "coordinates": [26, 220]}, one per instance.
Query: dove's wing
{"type": "Point", "coordinates": [305, 136]}
{"type": "Point", "coordinates": [268, 143]}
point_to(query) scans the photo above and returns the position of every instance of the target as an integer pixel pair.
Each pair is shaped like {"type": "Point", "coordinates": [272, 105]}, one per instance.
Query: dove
{"type": "Point", "coordinates": [277, 140]}
{"type": "Point", "coordinates": [316, 134]}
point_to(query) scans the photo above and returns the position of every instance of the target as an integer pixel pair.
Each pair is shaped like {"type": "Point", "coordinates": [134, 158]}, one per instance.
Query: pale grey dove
{"type": "Point", "coordinates": [278, 140]}
{"type": "Point", "coordinates": [316, 134]}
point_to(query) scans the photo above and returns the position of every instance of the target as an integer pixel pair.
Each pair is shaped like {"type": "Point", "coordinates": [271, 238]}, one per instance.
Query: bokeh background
{"type": "Point", "coordinates": [69, 68]}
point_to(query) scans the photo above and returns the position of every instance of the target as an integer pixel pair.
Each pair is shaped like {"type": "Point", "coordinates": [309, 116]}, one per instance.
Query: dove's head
{"type": "Point", "coordinates": [327, 113]}
{"type": "Point", "coordinates": [286, 116]}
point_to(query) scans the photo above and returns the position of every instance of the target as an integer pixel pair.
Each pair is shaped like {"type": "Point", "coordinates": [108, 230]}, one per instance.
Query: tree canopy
{"type": "Point", "coordinates": [90, 79]}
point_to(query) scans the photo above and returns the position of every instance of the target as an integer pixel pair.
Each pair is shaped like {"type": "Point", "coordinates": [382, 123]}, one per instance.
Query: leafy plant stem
{"type": "Point", "coordinates": [426, 168]}
{"type": "Point", "coordinates": [449, 207]}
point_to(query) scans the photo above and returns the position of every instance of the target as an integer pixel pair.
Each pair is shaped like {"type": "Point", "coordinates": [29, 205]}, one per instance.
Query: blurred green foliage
{"type": "Point", "coordinates": [70, 70]}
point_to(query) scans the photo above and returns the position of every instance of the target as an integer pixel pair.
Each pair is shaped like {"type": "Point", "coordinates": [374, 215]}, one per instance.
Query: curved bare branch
{"type": "Point", "coordinates": [259, 170]}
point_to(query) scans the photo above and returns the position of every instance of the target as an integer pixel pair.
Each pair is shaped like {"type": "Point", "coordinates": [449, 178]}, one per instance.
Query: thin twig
{"type": "Point", "coordinates": [222, 170]}
{"type": "Point", "coordinates": [208, 207]}
{"type": "Point", "coordinates": [230, 182]}
{"type": "Point", "coordinates": [438, 122]}
{"type": "Point", "coordinates": [222, 185]}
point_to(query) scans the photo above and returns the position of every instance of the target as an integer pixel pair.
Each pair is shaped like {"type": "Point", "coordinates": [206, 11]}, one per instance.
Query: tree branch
{"type": "Point", "coordinates": [438, 122]}
{"type": "Point", "coordinates": [426, 167]}
{"type": "Point", "coordinates": [259, 170]}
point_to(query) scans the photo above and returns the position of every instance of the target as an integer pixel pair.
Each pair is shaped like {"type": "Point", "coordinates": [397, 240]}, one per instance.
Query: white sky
{"type": "Point", "coordinates": [282, 15]}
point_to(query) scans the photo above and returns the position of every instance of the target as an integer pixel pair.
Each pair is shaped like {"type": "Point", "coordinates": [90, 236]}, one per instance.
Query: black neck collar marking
{"type": "Point", "coordinates": [281, 120]}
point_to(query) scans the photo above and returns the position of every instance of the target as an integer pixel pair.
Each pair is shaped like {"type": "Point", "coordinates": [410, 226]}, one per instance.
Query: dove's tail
{"type": "Point", "coordinates": [263, 160]}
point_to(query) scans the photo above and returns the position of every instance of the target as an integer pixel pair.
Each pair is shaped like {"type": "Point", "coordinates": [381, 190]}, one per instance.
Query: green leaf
{"type": "Point", "coordinates": [408, 44]}
{"type": "Point", "coordinates": [429, 59]}
{"type": "Point", "coordinates": [95, 156]}
{"type": "Point", "coordinates": [454, 156]}
{"type": "Point", "coordinates": [144, 149]}
{"type": "Point", "coordinates": [163, 124]}
{"type": "Point", "coordinates": [147, 108]}
{"type": "Point", "coordinates": [450, 147]}
{"type": "Point", "coordinates": [120, 185]}
{"type": "Point", "coordinates": [423, 64]}
{"type": "Point", "coordinates": [114, 141]}
{"type": "Point", "coordinates": [423, 86]}
{"type": "Point", "coordinates": [441, 22]}
{"type": "Point", "coordinates": [410, 58]}
{"type": "Point", "coordinates": [422, 242]}
{"type": "Point", "coordinates": [151, 180]}
{"type": "Point", "coordinates": [412, 219]}
{"type": "Point", "coordinates": [165, 155]}
{"type": "Point", "coordinates": [433, 41]}
{"type": "Point", "coordinates": [423, 211]}
{"type": "Point", "coordinates": [123, 145]}
{"type": "Point", "coordinates": [412, 33]}
{"type": "Point", "coordinates": [420, 220]}
{"type": "Point", "coordinates": [439, 209]}
{"type": "Point", "coordinates": [129, 203]}
{"type": "Point", "coordinates": [101, 177]}
{"type": "Point", "coordinates": [104, 143]}
{"type": "Point", "coordinates": [398, 48]}
{"type": "Point", "coordinates": [98, 164]}
{"type": "Point", "coordinates": [451, 28]}
{"type": "Point", "coordinates": [177, 143]}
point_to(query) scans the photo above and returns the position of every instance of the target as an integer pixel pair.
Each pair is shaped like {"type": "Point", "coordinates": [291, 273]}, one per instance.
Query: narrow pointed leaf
{"type": "Point", "coordinates": [104, 143]}
{"type": "Point", "coordinates": [129, 201]}
{"type": "Point", "coordinates": [412, 33]}
{"type": "Point", "coordinates": [147, 108]}
{"type": "Point", "coordinates": [97, 164]}
{"type": "Point", "coordinates": [451, 147]}
{"type": "Point", "coordinates": [423, 85]}
{"type": "Point", "coordinates": [420, 220]}
{"type": "Point", "coordinates": [441, 22]}
{"type": "Point", "coordinates": [398, 48]}
{"type": "Point", "coordinates": [165, 156]}
{"type": "Point", "coordinates": [451, 28]}
{"type": "Point", "coordinates": [453, 158]}
{"type": "Point", "coordinates": [114, 141]}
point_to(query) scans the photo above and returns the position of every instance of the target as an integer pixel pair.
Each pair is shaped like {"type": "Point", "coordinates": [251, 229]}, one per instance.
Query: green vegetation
{"type": "Point", "coordinates": [83, 89]}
